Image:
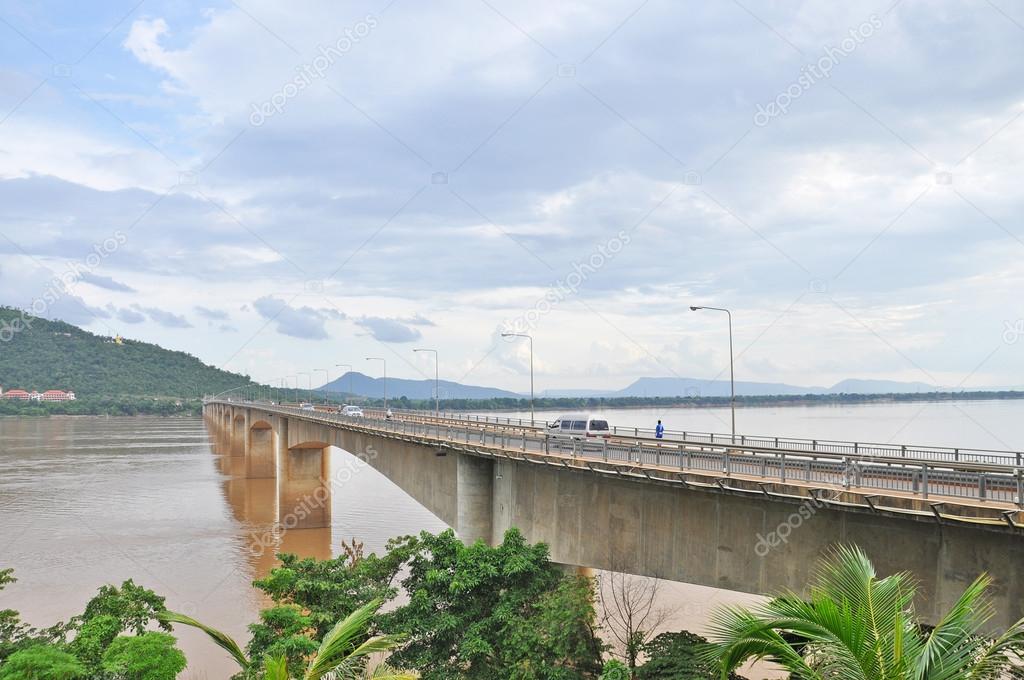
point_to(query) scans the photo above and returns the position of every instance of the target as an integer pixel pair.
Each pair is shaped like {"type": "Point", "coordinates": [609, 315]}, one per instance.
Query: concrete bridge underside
{"type": "Point", "coordinates": [708, 537]}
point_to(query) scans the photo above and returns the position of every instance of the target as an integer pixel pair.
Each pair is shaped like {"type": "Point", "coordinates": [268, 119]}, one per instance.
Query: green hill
{"type": "Point", "coordinates": [37, 354]}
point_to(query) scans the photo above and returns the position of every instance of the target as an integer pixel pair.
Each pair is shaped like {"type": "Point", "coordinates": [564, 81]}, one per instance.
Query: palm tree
{"type": "Point", "coordinates": [858, 626]}
{"type": "Point", "coordinates": [344, 652]}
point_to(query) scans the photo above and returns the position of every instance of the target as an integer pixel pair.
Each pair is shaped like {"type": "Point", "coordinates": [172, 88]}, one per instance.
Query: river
{"type": "Point", "coordinates": [89, 501]}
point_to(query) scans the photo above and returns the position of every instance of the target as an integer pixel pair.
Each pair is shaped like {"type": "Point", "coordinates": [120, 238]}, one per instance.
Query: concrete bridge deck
{"type": "Point", "coordinates": [742, 517]}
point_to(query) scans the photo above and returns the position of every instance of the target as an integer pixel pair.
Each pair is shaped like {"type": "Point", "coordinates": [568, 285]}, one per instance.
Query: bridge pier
{"type": "Point", "coordinates": [474, 498]}
{"type": "Point", "coordinates": [304, 483]}
{"type": "Point", "coordinates": [238, 434]}
{"type": "Point", "coordinates": [260, 462]}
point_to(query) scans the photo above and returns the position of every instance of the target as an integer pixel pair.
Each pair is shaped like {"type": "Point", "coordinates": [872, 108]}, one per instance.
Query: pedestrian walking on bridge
{"type": "Point", "coordinates": [659, 431]}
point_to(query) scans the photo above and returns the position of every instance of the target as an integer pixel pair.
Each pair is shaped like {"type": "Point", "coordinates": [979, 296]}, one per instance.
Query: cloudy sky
{"type": "Point", "coordinates": [279, 187]}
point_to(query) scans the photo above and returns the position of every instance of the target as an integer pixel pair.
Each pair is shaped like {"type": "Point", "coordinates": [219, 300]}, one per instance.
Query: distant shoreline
{"type": "Point", "coordinates": [743, 401]}
{"type": "Point", "coordinates": [114, 407]}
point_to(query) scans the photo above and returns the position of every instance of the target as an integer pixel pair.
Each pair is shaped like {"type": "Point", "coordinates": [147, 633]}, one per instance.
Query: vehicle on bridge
{"type": "Point", "coordinates": [352, 411]}
{"type": "Point", "coordinates": [306, 407]}
{"type": "Point", "coordinates": [580, 425]}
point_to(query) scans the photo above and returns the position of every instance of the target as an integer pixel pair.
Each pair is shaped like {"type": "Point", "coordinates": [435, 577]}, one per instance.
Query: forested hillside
{"type": "Point", "coordinates": [36, 354]}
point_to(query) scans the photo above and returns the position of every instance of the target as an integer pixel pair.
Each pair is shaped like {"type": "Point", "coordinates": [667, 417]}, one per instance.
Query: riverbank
{"type": "Point", "coordinates": [695, 402]}
{"type": "Point", "coordinates": [103, 406]}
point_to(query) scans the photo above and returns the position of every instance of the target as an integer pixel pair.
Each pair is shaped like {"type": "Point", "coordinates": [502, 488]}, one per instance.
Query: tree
{"type": "Point", "coordinates": [343, 654]}
{"type": "Point", "coordinates": [311, 596]}
{"type": "Point", "coordinates": [15, 634]}
{"type": "Point", "coordinates": [111, 612]}
{"type": "Point", "coordinates": [856, 625]}
{"type": "Point", "coordinates": [332, 589]}
{"type": "Point", "coordinates": [42, 662]}
{"type": "Point", "coordinates": [630, 613]}
{"type": "Point", "coordinates": [678, 656]}
{"type": "Point", "coordinates": [478, 612]}
{"type": "Point", "coordinates": [150, 656]}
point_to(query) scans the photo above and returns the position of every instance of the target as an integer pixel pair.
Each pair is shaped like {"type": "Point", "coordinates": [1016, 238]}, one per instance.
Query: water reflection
{"type": "Point", "coordinates": [256, 505]}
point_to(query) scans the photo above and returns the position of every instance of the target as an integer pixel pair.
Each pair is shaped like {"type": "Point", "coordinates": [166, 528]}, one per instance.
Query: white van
{"type": "Point", "coordinates": [581, 425]}
{"type": "Point", "coordinates": [352, 411]}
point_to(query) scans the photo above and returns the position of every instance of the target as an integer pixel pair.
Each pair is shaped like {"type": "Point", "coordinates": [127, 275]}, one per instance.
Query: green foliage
{"type": "Point", "coordinates": [477, 612]}
{"type": "Point", "coordinates": [283, 631]}
{"type": "Point", "coordinates": [134, 607]}
{"type": "Point", "coordinates": [149, 656]}
{"type": "Point", "coordinates": [44, 354]}
{"type": "Point", "coordinates": [678, 656]}
{"type": "Point", "coordinates": [856, 625]}
{"type": "Point", "coordinates": [15, 635]}
{"type": "Point", "coordinates": [614, 670]}
{"type": "Point", "coordinates": [330, 590]}
{"type": "Point", "coordinates": [42, 662]}
{"type": "Point", "coordinates": [343, 653]}
{"type": "Point", "coordinates": [93, 637]}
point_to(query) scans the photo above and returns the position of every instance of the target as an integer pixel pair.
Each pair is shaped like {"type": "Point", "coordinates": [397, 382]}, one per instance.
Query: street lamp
{"type": "Point", "coordinates": [437, 392]}
{"type": "Point", "coordinates": [287, 386]}
{"type": "Point", "coordinates": [309, 386]}
{"type": "Point", "coordinates": [530, 338]}
{"type": "Point", "coordinates": [349, 367]}
{"type": "Point", "coordinates": [327, 377]}
{"type": "Point", "coordinates": [385, 362]}
{"type": "Point", "coordinates": [732, 375]}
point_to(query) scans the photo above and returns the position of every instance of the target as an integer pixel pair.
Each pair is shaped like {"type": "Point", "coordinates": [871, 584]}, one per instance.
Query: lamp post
{"type": "Point", "coordinates": [349, 367]}
{"type": "Point", "coordinates": [385, 362]}
{"type": "Point", "coordinates": [309, 386]}
{"type": "Point", "coordinates": [296, 385]}
{"type": "Point", "coordinates": [732, 375]}
{"type": "Point", "coordinates": [327, 377]}
{"type": "Point", "coordinates": [437, 393]}
{"type": "Point", "coordinates": [530, 338]}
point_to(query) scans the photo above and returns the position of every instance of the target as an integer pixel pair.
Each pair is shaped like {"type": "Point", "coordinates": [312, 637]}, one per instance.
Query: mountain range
{"type": "Point", "coordinates": [363, 385]}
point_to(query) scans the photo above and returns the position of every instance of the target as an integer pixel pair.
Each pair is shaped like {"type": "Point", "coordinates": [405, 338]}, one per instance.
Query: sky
{"type": "Point", "coordinates": [283, 188]}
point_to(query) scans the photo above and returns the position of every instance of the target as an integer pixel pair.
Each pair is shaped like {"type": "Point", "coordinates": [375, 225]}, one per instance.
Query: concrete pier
{"type": "Point", "coordinates": [474, 497]}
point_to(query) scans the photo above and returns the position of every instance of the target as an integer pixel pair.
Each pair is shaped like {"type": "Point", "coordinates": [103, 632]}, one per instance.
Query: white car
{"type": "Point", "coordinates": [306, 407]}
{"type": "Point", "coordinates": [352, 411]}
{"type": "Point", "coordinates": [581, 425]}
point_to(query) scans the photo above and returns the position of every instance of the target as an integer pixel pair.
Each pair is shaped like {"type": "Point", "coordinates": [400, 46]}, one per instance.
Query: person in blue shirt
{"type": "Point", "coordinates": [659, 431]}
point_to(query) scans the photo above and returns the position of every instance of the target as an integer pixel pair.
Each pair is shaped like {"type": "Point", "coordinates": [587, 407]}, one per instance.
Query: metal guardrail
{"type": "Point", "coordinates": [794, 444]}
{"type": "Point", "coordinates": [924, 478]}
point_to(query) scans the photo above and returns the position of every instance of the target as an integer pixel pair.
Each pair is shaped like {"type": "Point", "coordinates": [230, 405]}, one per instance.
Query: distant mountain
{"type": "Point", "coordinates": [365, 386]}
{"type": "Point", "coordinates": [853, 386]}
{"type": "Point", "coordinates": [42, 354]}
{"type": "Point", "coordinates": [694, 387]}
{"type": "Point", "coordinates": [677, 387]}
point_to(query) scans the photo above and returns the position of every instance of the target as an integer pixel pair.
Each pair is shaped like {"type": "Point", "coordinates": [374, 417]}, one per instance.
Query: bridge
{"type": "Point", "coordinates": [751, 514]}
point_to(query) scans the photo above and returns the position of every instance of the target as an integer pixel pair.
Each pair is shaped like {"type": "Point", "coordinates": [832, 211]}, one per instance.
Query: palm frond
{"type": "Point", "coordinates": [275, 668]}
{"type": "Point", "coordinates": [222, 640]}
{"type": "Point", "coordinates": [340, 643]}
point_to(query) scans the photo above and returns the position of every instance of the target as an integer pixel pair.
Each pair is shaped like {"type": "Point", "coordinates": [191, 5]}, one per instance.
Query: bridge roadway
{"type": "Point", "coordinates": [745, 516]}
{"type": "Point", "coordinates": [966, 477]}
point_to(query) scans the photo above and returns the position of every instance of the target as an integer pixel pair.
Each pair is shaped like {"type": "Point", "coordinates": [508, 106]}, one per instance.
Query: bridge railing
{"type": "Point", "coordinates": [850, 448]}
{"type": "Point", "coordinates": [923, 478]}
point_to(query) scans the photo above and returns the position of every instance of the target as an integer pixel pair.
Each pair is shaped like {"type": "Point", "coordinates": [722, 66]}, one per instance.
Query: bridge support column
{"type": "Point", "coordinates": [260, 461]}
{"type": "Point", "coordinates": [304, 485]}
{"type": "Point", "coordinates": [238, 434]}
{"type": "Point", "coordinates": [474, 498]}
